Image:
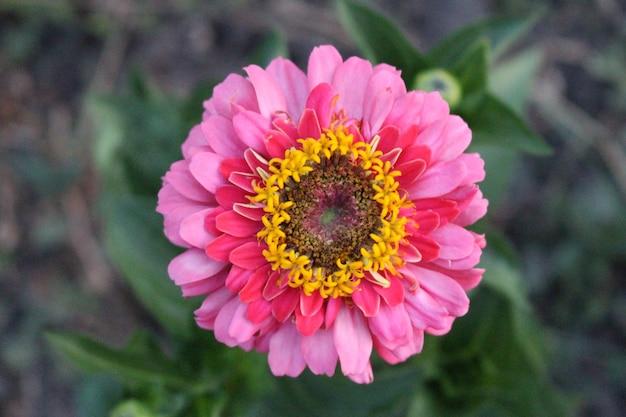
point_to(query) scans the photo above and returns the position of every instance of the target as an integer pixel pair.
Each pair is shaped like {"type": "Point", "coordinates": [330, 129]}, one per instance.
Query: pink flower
{"type": "Point", "coordinates": [324, 215]}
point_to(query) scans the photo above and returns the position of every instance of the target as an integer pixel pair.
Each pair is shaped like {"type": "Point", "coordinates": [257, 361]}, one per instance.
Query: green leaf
{"type": "Point", "coordinates": [380, 40]}
{"type": "Point", "coordinates": [138, 365]}
{"type": "Point", "coordinates": [137, 139]}
{"type": "Point", "coordinates": [500, 33]}
{"type": "Point", "coordinates": [271, 46]}
{"type": "Point", "coordinates": [512, 80]}
{"type": "Point", "coordinates": [134, 236]}
{"type": "Point", "coordinates": [388, 395]}
{"type": "Point", "coordinates": [132, 408]}
{"type": "Point", "coordinates": [494, 123]}
{"type": "Point", "coordinates": [471, 69]}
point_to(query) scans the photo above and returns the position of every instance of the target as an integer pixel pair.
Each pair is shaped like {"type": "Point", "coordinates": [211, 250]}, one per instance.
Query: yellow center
{"type": "Point", "coordinates": [377, 244]}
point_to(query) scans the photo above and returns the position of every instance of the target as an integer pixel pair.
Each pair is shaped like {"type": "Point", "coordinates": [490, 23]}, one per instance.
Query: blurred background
{"type": "Point", "coordinates": [565, 213]}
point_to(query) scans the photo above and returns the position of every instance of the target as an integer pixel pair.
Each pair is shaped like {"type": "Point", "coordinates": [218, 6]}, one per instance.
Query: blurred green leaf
{"type": "Point", "coordinates": [132, 408]}
{"type": "Point", "coordinates": [491, 363]}
{"type": "Point", "coordinates": [138, 138]}
{"type": "Point", "coordinates": [494, 123]}
{"type": "Point", "coordinates": [130, 363]}
{"type": "Point", "coordinates": [472, 67]}
{"type": "Point", "coordinates": [271, 46]}
{"type": "Point", "coordinates": [97, 395]}
{"type": "Point", "coordinates": [134, 236]}
{"type": "Point", "coordinates": [379, 39]}
{"type": "Point", "coordinates": [500, 32]}
{"type": "Point", "coordinates": [512, 80]}
{"type": "Point", "coordinates": [387, 396]}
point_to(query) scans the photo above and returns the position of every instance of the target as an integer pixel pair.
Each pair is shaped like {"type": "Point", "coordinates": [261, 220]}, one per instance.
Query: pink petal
{"type": "Point", "coordinates": [259, 310]}
{"type": "Point", "coordinates": [241, 328]}
{"type": "Point", "coordinates": [219, 132]}
{"type": "Point", "coordinates": [367, 299]}
{"type": "Point", "coordinates": [248, 256]}
{"type": "Point", "coordinates": [221, 247]}
{"type": "Point", "coordinates": [285, 354]}
{"type": "Point", "coordinates": [402, 353]}
{"type": "Point", "coordinates": [443, 289]}
{"type": "Point", "coordinates": [352, 340]}
{"type": "Point", "coordinates": [284, 305]}
{"type": "Point", "coordinates": [183, 182]}
{"type": "Point", "coordinates": [424, 311]}
{"type": "Point", "coordinates": [293, 83]}
{"type": "Point", "coordinates": [192, 229]}
{"type": "Point", "coordinates": [310, 304]}
{"type": "Point", "coordinates": [195, 142]}
{"type": "Point", "coordinates": [237, 278]}
{"type": "Point", "coordinates": [223, 321]}
{"type": "Point", "coordinates": [251, 128]}
{"type": "Point", "coordinates": [352, 88]}
{"type": "Point", "coordinates": [391, 326]}
{"type": "Point", "coordinates": [321, 100]}
{"type": "Point", "coordinates": [204, 167]}
{"type": "Point", "coordinates": [307, 325]}
{"type": "Point", "coordinates": [393, 294]}
{"type": "Point", "coordinates": [323, 63]}
{"type": "Point", "coordinates": [320, 353]}
{"type": "Point", "coordinates": [268, 92]}
{"type": "Point", "coordinates": [455, 242]}
{"type": "Point", "coordinates": [235, 224]}
{"type": "Point", "coordinates": [227, 195]}
{"type": "Point", "coordinates": [234, 89]}
{"type": "Point", "coordinates": [211, 306]}
{"type": "Point", "coordinates": [193, 265]}
{"type": "Point", "coordinates": [438, 180]}
{"type": "Point", "coordinates": [309, 126]}
{"type": "Point", "coordinates": [253, 288]}
{"type": "Point", "coordinates": [383, 88]}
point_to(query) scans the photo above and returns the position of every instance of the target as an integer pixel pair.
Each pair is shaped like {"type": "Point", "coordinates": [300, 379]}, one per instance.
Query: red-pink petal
{"type": "Point", "coordinates": [248, 256]}
{"type": "Point", "coordinates": [221, 247]}
{"type": "Point", "coordinates": [235, 224]}
{"type": "Point", "coordinates": [367, 299]}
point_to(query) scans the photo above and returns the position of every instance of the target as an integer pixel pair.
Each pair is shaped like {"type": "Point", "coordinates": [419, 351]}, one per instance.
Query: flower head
{"type": "Point", "coordinates": [324, 215]}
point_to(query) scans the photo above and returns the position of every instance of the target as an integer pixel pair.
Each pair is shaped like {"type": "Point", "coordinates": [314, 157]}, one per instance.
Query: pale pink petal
{"type": "Point", "coordinates": [220, 133]}
{"type": "Point", "coordinates": [352, 88]}
{"type": "Point", "coordinates": [193, 265]}
{"type": "Point", "coordinates": [285, 354]}
{"type": "Point", "coordinates": [234, 89]}
{"type": "Point", "coordinates": [192, 229]}
{"type": "Point", "coordinates": [195, 142]}
{"type": "Point", "coordinates": [438, 180]}
{"type": "Point", "coordinates": [391, 326]}
{"type": "Point", "coordinates": [293, 83]}
{"type": "Point", "coordinates": [269, 94]}
{"type": "Point", "coordinates": [443, 289]}
{"type": "Point", "coordinates": [251, 128]}
{"type": "Point", "coordinates": [454, 241]}
{"type": "Point", "coordinates": [319, 352]}
{"type": "Point", "coordinates": [323, 63]}
{"type": "Point", "coordinates": [204, 167]}
{"type": "Point", "coordinates": [352, 340]}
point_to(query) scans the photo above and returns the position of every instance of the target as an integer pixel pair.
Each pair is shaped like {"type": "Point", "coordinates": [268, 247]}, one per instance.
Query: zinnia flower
{"type": "Point", "coordinates": [324, 215]}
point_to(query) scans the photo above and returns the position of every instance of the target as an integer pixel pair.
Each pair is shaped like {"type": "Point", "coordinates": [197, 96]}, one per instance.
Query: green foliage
{"type": "Point", "coordinates": [492, 363]}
